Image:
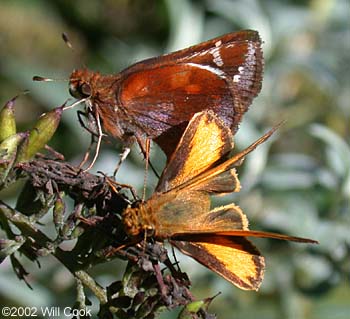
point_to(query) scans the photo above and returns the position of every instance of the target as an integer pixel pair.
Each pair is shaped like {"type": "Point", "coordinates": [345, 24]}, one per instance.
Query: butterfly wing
{"type": "Point", "coordinates": [234, 258]}
{"type": "Point", "coordinates": [227, 221]}
{"type": "Point", "coordinates": [230, 254]}
{"type": "Point", "coordinates": [188, 214]}
{"type": "Point", "coordinates": [194, 163]}
{"type": "Point", "coordinates": [220, 245]}
{"type": "Point", "coordinates": [175, 212]}
{"type": "Point", "coordinates": [205, 141]}
{"type": "Point", "coordinates": [222, 74]}
{"type": "Point", "coordinates": [219, 178]}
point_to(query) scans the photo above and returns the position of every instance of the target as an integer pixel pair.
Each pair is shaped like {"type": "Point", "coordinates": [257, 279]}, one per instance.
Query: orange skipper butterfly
{"type": "Point", "coordinates": [179, 210]}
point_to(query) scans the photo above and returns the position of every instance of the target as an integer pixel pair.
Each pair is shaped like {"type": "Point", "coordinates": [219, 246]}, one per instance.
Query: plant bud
{"type": "Point", "coordinates": [8, 151]}
{"type": "Point", "coordinates": [7, 120]}
{"type": "Point", "coordinates": [42, 132]}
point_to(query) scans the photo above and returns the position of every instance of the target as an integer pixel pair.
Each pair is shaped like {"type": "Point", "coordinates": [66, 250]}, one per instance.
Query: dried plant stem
{"type": "Point", "coordinates": [28, 230]}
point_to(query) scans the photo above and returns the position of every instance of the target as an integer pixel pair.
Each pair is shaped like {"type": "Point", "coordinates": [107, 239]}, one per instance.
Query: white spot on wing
{"type": "Point", "coordinates": [217, 56]}
{"type": "Point", "coordinates": [236, 78]}
{"type": "Point", "coordinates": [218, 43]}
{"type": "Point", "coordinates": [209, 68]}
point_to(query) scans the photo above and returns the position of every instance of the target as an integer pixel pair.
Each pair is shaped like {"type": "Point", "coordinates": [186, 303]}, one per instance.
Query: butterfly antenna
{"type": "Point", "coordinates": [69, 44]}
{"type": "Point", "coordinates": [38, 78]}
{"type": "Point", "coordinates": [67, 41]}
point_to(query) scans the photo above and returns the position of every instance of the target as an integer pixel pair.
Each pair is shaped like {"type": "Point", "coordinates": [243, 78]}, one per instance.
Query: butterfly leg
{"type": "Point", "coordinates": [122, 157]}
{"type": "Point", "coordinates": [113, 185]}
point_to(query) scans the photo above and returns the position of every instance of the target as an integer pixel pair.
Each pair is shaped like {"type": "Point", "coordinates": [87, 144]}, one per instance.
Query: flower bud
{"type": "Point", "coordinates": [7, 120]}
{"type": "Point", "coordinates": [40, 134]}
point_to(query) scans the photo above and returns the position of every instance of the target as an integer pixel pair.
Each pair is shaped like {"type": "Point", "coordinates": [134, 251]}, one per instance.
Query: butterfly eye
{"type": "Point", "coordinates": [79, 91]}
{"type": "Point", "coordinates": [85, 90]}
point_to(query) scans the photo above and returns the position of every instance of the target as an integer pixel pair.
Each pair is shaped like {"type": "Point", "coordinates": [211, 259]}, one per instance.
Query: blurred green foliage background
{"type": "Point", "coordinates": [299, 183]}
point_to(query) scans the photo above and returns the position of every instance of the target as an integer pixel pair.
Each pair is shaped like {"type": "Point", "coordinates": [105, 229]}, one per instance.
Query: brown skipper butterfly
{"type": "Point", "coordinates": [155, 98]}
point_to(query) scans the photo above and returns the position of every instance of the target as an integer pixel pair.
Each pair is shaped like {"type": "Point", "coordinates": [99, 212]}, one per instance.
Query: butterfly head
{"type": "Point", "coordinates": [81, 84]}
{"type": "Point", "coordinates": [137, 221]}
